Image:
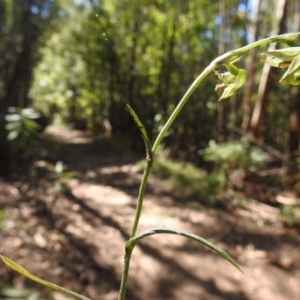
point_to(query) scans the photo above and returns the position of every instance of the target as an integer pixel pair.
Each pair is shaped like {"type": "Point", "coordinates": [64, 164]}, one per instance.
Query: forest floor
{"type": "Point", "coordinates": [76, 237]}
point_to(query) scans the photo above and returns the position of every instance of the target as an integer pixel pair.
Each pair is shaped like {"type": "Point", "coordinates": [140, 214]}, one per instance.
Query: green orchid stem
{"type": "Point", "coordinates": [127, 258]}
{"type": "Point", "coordinates": [224, 59]}
{"type": "Point", "coordinates": [138, 211]}
{"type": "Point", "coordinates": [141, 197]}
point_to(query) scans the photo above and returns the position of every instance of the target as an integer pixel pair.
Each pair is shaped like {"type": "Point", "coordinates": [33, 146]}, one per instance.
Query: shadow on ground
{"type": "Point", "coordinates": [76, 237]}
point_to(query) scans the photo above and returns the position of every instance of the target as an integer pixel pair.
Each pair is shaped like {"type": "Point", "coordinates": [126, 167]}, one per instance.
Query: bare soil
{"type": "Point", "coordinates": [76, 237]}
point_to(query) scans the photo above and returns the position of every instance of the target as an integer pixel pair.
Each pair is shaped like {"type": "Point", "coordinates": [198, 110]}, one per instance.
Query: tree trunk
{"type": "Point", "coordinates": [259, 113]}
{"type": "Point", "coordinates": [18, 84]}
{"type": "Point", "coordinates": [17, 80]}
{"type": "Point", "coordinates": [253, 31]}
{"type": "Point", "coordinates": [221, 51]}
{"type": "Point", "coordinates": [291, 167]}
{"type": "Point", "coordinates": [292, 144]}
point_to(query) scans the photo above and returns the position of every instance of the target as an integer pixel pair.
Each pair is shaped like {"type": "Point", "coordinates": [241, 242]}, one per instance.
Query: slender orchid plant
{"type": "Point", "coordinates": [232, 80]}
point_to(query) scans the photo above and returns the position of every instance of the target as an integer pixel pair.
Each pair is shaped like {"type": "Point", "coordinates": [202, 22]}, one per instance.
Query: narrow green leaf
{"type": "Point", "coordinates": [143, 131]}
{"type": "Point", "coordinates": [53, 286]}
{"type": "Point", "coordinates": [132, 242]}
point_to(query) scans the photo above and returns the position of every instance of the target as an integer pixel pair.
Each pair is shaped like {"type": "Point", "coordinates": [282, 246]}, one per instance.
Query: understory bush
{"type": "Point", "coordinates": [236, 155]}
{"type": "Point", "coordinates": [186, 180]}
{"type": "Point", "coordinates": [23, 126]}
{"type": "Point", "coordinates": [234, 160]}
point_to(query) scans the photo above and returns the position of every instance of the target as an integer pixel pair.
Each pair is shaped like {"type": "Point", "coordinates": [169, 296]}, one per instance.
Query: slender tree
{"type": "Point", "coordinates": [293, 140]}
{"type": "Point", "coordinates": [253, 28]}
{"type": "Point", "coordinates": [259, 113]}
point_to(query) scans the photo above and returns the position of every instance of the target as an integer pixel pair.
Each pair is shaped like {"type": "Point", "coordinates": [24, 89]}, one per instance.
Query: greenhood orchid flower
{"type": "Point", "coordinates": [286, 58]}
{"type": "Point", "coordinates": [232, 80]}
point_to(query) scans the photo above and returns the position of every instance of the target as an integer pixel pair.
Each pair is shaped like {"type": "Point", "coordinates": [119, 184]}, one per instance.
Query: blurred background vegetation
{"type": "Point", "coordinates": [80, 62]}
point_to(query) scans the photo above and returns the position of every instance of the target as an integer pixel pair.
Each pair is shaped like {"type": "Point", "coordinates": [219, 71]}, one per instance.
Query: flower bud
{"type": "Point", "coordinates": [231, 80]}
{"type": "Point", "coordinates": [286, 58]}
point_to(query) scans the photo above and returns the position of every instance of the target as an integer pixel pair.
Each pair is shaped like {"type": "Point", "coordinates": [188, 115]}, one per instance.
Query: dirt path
{"type": "Point", "coordinates": [76, 237]}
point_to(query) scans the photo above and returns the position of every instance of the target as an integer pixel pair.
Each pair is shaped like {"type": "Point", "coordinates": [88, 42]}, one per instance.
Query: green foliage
{"type": "Point", "coordinates": [290, 215]}
{"type": "Point", "coordinates": [60, 176]}
{"type": "Point", "coordinates": [24, 27]}
{"type": "Point", "coordinates": [186, 180]}
{"type": "Point", "coordinates": [100, 59]}
{"type": "Point", "coordinates": [239, 154]}
{"type": "Point", "coordinates": [21, 126]}
{"type": "Point", "coordinates": [8, 292]}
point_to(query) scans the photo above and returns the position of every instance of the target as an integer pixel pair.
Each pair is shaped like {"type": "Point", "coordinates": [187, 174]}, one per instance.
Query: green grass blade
{"type": "Point", "coordinates": [53, 286]}
{"type": "Point", "coordinates": [142, 130]}
{"type": "Point", "coordinates": [132, 242]}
